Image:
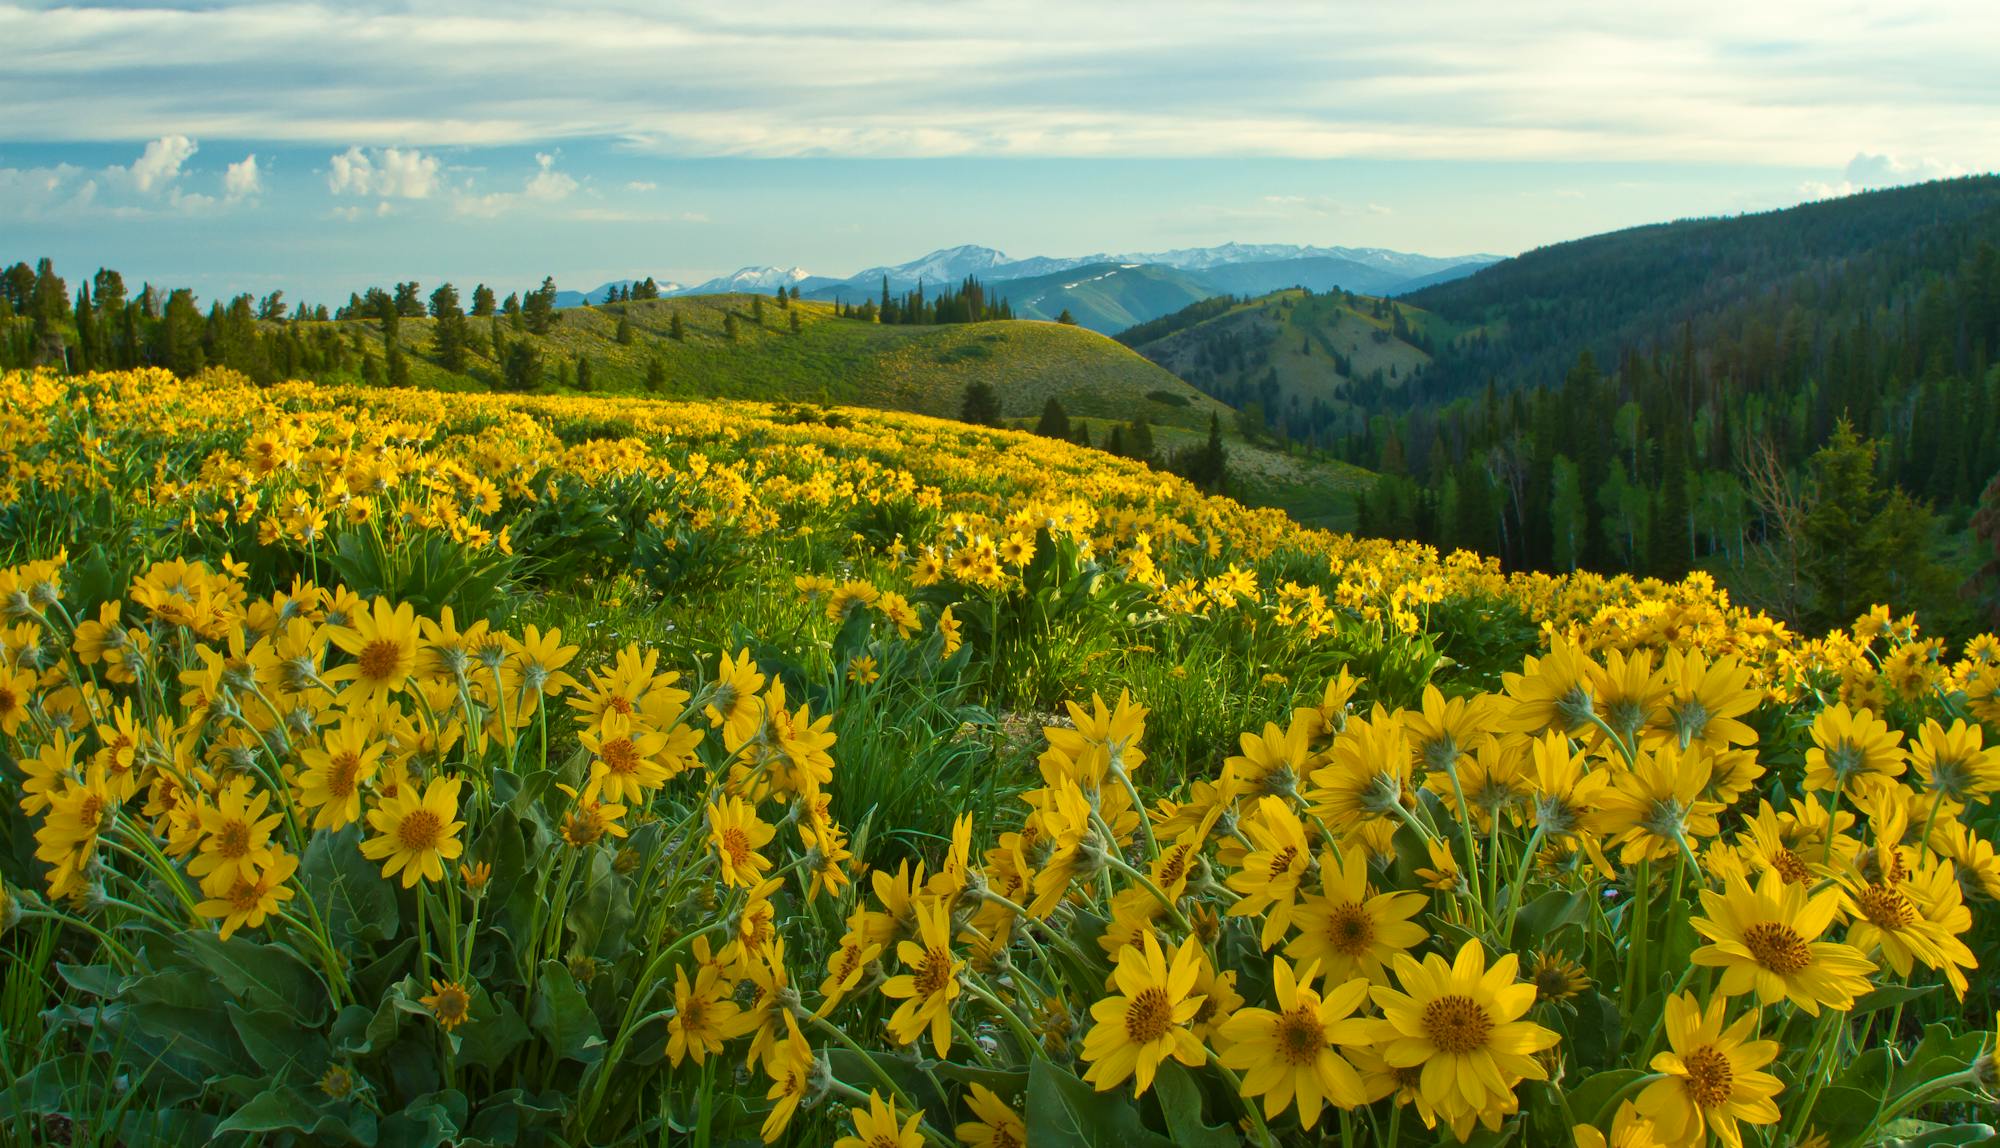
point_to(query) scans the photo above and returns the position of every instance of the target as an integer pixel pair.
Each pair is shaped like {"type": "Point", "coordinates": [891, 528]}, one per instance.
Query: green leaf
{"type": "Point", "coordinates": [261, 976]}
{"type": "Point", "coordinates": [285, 1109]}
{"type": "Point", "coordinates": [1590, 1102]}
{"type": "Point", "coordinates": [1844, 1113]}
{"type": "Point", "coordinates": [1889, 996]}
{"type": "Point", "coordinates": [359, 903]}
{"type": "Point", "coordinates": [94, 980]}
{"type": "Point", "coordinates": [1548, 913]}
{"type": "Point", "coordinates": [493, 1031]}
{"type": "Point", "coordinates": [602, 915]}
{"type": "Point", "coordinates": [194, 1042]}
{"type": "Point", "coordinates": [1937, 1136]}
{"type": "Point", "coordinates": [562, 1016]}
{"type": "Point", "coordinates": [277, 1043]}
{"type": "Point", "coordinates": [1064, 1112]}
{"type": "Point", "coordinates": [1180, 1103]}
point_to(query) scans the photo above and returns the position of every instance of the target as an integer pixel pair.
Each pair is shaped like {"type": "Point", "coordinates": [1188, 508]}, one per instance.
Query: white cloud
{"type": "Point", "coordinates": [642, 185]}
{"type": "Point", "coordinates": [242, 180]}
{"type": "Point", "coordinates": [389, 172]}
{"type": "Point", "coordinates": [1868, 171]}
{"type": "Point", "coordinates": [548, 184]}
{"type": "Point", "coordinates": [161, 162]}
{"type": "Point", "coordinates": [1787, 82]}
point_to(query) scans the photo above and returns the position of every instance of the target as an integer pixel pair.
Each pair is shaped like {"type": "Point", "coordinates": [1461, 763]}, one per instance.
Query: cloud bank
{"type": "Point", "coordinates": [1781, 83]}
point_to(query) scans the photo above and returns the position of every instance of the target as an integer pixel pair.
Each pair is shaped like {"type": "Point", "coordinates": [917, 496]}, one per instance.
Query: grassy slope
{"type": "Point", "coordinates": [1276, 330]}
{"type": "Point", "coordinates": [1104, 296]}
{"type": "Point", "coordinates": [923, 369]}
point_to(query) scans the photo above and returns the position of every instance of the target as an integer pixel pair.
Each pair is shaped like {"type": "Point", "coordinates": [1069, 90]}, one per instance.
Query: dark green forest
{"type": "Point", "coordinates": [1683, 395]}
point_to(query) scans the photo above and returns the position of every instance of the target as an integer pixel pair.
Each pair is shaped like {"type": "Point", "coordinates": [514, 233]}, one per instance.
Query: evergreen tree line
{"type": "Point", "coordinates": [967, 303]}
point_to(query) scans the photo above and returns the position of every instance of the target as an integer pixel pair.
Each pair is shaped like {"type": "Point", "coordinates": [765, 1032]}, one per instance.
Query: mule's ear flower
{"type": "Point", "coordinates": [1147, 1021]}
{"type": "Point", "coordinates": [1461, 1023]}
{"type": "Point", "coordinates": [1711, 1080]}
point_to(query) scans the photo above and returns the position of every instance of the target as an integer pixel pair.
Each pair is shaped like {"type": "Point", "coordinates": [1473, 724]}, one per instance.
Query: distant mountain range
{"type": "Point", "coordinates": [1104, 292]}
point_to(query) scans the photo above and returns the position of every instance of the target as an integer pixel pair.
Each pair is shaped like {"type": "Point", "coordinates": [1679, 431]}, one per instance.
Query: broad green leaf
{"type": "Point", "coordinates": [359, 904]}
{"type": "Point", "coordinates": [285, 1109]}
{"type": "Point", "coordinates": [1180, 1103]}
{"type": "Point", "coordinates": [1889, 996]}
{"type": "Point", "coordinates": [562, 1016]}
{"type": "Point", "coordinates": [1591, 1101]}
{"type": "Point", "coordinates": [261, 976]}
{"type": "Point", "coordinates": [1064, 1112]}
{"type": "Point", "coordinates": [493, 1031]}
{"type": "Point", "coordinates": [278, 1044]}
{"type": "Point", "coordinates": [1916, 1134]}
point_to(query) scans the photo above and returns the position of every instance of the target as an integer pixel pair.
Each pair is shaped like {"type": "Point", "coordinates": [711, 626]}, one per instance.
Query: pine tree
{"type": "Point", "coordinates": [757, 309]}
{"type": "Point", "coordinates": [1054, 421]}
{"type": "Point", "coordinates": [656, 374]}
{"type": "Point", "coordinates": [729, 326]}
{"type": "Point", "coordinates": [482, 301]}
{"type": "Point", "coordinates": [1066, 318]}
{"type": "Point", "coordinates": [1139, 440]}
{"type": "Point", "coordinates": [624, 335]}
{"type": "Point", "coordinates": [981, 405]}
{"type": "Point", "coordinates": [583, 379]}
{"type": "Point", "coordinates": [797, 327]}
{"type": "Point", "coordinates": [399, 367]}
{"type": "Point", "coordinates": [539, 308]}
{"type": "Point", "coordinates": [86, 332]}
{"type": "Point", "coordinates": [675, 331]}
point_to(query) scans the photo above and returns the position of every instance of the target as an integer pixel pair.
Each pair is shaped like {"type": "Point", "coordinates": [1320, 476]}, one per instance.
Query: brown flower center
{"type": "Point", "coordinates": [1887, 907]}
{"type": "Point", "coordinates": [234, 840]}
{"type": "Point", "coordinates": [420, 831]}
{"type": "Point", "coordinates": [935, 973]}
{"type": "Point", "coordinates": [1710, 1079]}
{"type": "Point", "coordinates": [1281, 861]}
{"type": "Point", "coordinates": [1300, 1036]}
{"type": "Point", "coordinates": [243, 896]}
{"type": "Point", "coordinates": [1778, 947]}
{"type": "Point", "coordinates": [1791, 867]}
{"type": "Point", "coordinates": [1457, 1024]}
{"type": "Point", "coordinates": [341, 771]}
{"type": "Point", "coordinates": [379, 659]}
{"type": "Point", "coordinates": [736, 844]}
{"type": "Point", "coordinates": [621, 755]}
{"type": "Point", "coordinates": [1350, 930]}
{"type": "Point", "coordinates": [1150, 1016]}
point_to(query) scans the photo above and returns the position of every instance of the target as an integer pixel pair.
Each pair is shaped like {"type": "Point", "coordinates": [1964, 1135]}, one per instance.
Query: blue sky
{"type": "Point", "coordinates": [245, 147]}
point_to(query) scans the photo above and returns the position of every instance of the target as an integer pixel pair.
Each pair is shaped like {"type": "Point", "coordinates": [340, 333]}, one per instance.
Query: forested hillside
{"type": "Point", "coordinates": [1672, 397]}
{"type": "Point", "coordinates": [1296, 363]}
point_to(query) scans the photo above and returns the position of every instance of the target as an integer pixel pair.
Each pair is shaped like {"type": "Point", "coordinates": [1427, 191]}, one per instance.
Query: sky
{"type": "Point", "coordinates": [279, 145]}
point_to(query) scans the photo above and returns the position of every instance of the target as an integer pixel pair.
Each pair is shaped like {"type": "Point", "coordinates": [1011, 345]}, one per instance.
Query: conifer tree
{"type": "Point", "coordinates": [981, 405]}
{"type": "Point", "coordinates": [1054, 422]}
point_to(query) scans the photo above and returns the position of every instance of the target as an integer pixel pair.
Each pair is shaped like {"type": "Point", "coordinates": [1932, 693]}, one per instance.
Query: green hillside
{"type": "Point", "coordinates": [1301, 358]}
{"type": "Point", "coordinates": [917, 368]}
{"type": "Point", "coordinates": [1105, 297]}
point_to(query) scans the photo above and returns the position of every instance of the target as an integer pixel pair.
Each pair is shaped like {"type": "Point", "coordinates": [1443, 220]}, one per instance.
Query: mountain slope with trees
{"type": "Point", "coordinates": [1683, 395]}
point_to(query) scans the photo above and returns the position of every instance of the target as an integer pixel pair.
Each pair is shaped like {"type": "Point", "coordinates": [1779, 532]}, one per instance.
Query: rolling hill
{"type": "Point", "coordinates": [1303, 358]}
{"type": "Point", "coordinates": [917, 368]}
{"type": "Point", "coordinates": [832, 360]}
